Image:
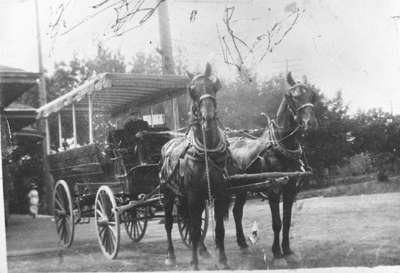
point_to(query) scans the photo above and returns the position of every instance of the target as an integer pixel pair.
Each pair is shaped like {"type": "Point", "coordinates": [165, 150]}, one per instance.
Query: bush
{"type": "Point", "coordinates": [382, 176]}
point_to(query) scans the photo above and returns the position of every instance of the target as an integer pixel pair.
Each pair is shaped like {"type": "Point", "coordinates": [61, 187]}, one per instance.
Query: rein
{"type": "Point", "coordinates": [288, 152]}
{"type": "Point", "coordinates": [210, 199]}
{"type": "Point", "coordinates": [294, 111]}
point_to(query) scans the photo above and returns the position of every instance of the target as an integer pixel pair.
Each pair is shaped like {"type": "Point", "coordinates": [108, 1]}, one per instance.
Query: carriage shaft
{"type": "Point", "coordinates": [245, 179]}
{"type": "Point", "coordinates": [261, 186]}
{"type": "Point", "coordinates": [137, 203]}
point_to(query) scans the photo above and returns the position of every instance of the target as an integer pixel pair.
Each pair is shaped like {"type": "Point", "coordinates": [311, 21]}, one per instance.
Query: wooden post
{"type": "Point", "coordinates": [47, 178]}
{"type": "Point", "coordinates": [47, 133]}
{"type": "Point", "coordinates": [175, 116]}
{"type": "Point", "coordinates": [60, 138]}
{"type": "Point", "coordinates": [74, 124]}
{"type": "Point", "coordinates": [90, 118]}
{"type": "Point", "coordinates": [151, 115]}
{"type": "Point", "coordinates": [3, 250]}
{"type": "Point", "coordinates": [168, 65]}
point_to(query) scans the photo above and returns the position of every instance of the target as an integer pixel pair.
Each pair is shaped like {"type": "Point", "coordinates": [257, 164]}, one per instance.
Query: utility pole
{"type": "Point", "coordinates": [168, 65]}
{"type": "Point", "coordinates": [48, 187]}
{"type": "Point", "coordinates": [3, 249]}
{"type": "Point", "coordinates": [287, 65]}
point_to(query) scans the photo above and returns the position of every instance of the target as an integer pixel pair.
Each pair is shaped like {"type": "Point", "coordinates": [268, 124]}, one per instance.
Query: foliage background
{"type": "Point", "coordinates": [344, 144]}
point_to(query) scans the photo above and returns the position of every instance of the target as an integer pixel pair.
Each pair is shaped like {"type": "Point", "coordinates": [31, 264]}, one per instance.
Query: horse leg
{"type": "Point", "coordinates": [276, 224]}
{"type": "Point", "coordinates": [203, 251]}
{"type": "Point", "coordinates": [238, 215]}
{"type": "Point", "coordinates": [288, 199]}
{"type": "Point", "coordinates": [168, 222]}
{"type": "Point", "coordinates": [195, 212]}
{"type": "Point", "coordinates": [219, 211]}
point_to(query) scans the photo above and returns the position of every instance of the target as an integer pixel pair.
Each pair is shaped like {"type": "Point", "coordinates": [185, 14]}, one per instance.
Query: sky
{"type": "Point", "coordinates": [352, 46]}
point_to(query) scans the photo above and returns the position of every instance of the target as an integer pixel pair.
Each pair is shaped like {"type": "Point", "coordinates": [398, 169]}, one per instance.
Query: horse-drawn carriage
{"type": "Point", "coordinates": [114, 180]}
{"type": "Point", "coordinates": [117, 181]}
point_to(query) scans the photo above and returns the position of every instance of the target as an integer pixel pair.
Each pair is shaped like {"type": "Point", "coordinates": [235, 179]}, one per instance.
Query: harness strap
{"type": "Point", "coordinates": [210, 199]}
{"type": "Point", "coordinates": [205, 96]}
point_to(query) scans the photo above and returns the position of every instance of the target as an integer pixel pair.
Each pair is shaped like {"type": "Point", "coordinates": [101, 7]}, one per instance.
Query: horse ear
{"type": "Point", "coordinates": [190, 75]}
{"type": "Point", "coordinates": [289, 79]}
{"type": "Point", "coordinates": [218, 85]}
{"type": "Point", "coordinates": [207, 73]}
{"type": "Point", "coordinates": [192, 93]}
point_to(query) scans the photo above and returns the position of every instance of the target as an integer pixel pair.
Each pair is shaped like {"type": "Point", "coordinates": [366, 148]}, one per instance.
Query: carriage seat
{"type": "Point", "coordinates": [85, 160]}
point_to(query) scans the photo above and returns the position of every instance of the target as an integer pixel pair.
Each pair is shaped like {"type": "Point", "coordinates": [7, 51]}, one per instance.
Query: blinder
{"type": "Point", "coordinates": [292, 106]}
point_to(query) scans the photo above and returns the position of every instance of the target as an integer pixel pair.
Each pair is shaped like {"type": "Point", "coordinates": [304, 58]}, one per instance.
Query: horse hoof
{"type": "Point", "coordinates": [242, 243]}
{"type": "Point", "coordinates": [224, 266]}
{"type": "Point", "coordinates": [245, 250]}
{"type": "Point", "coordinates": [195, 267]}
{"type": "Point", "coordinates": [170, 262]}
{"type": "Point", "coordinates": [293, 258]}
{"type": "Point", "coordinates": [205, 254]}
{"type": "Point", "coordinates": [279, 263]}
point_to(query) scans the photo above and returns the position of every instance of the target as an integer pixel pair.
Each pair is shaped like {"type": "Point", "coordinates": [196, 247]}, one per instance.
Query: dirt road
{"type": "Point", "coordinates": [342, 231]}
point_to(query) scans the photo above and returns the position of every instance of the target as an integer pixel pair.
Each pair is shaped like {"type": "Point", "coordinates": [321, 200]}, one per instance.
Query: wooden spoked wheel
{"type": "Point", "coordinates": [184, 227]}
{"type": "Point", "coordinates": [63, 213]}
{"type": "Point", "coordinates": [135, 222]}
{"type": "Point", "coordinates": [107, 222]}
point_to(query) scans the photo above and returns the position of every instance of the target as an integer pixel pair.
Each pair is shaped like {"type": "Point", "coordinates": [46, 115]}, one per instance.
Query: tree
{"type": "Point", "coordinates": [328, 146]}
{"type": "Point", "coordinates": [241, 102]}
{"type": "Point", "coordinates": [378, 134]}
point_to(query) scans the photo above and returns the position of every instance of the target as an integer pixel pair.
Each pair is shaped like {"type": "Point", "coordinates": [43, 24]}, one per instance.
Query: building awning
{"type": "Point", "coordinates": [115, 93]}
{"type": "Point", "coordinates": [14, 82]}
{"type": "Point", "coordinates": [20, 115]}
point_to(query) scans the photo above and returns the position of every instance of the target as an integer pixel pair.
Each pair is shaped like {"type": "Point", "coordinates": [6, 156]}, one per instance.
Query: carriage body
{"type": "Point", "coordinates": [128, 168]}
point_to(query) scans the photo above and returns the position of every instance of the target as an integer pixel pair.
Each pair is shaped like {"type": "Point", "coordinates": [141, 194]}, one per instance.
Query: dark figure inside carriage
{"type": "Point", "coordinates": [137, 141]}
{"type": "Point", "coordinates": [277, 149]}
{"type": "Point", "coordinates": [184, 170]}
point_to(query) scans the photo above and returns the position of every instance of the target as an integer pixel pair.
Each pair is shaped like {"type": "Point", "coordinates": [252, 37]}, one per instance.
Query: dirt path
{"type": "Point", "coordinates": [342, 231]}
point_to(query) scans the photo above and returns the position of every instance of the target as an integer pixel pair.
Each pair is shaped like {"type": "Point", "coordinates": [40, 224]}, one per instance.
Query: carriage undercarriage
{"type": "Point", "coordinates": [112, 210]}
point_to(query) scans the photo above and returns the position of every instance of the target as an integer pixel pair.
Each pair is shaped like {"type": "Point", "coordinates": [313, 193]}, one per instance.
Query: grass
{"type": "Point", "coordinates": [369, 186]}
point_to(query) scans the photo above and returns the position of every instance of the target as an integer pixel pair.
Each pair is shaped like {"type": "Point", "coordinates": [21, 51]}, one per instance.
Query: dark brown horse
{"type": "Point", "coordinates": [184, 173]}
{"type": "Point", "coordinates": [278, 149]}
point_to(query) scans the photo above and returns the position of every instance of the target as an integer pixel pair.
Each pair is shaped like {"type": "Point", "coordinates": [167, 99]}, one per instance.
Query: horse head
{"type": "Point", "coordinates": [300, 99]}
{"type": "Point", "coordinates": [203, 90]}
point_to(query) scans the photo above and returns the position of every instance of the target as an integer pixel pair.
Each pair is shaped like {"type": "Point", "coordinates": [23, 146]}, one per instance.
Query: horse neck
{"type": "Point", "coordinates": [211, 133]}
{"type": "Point", "coordinates": [285, 127]}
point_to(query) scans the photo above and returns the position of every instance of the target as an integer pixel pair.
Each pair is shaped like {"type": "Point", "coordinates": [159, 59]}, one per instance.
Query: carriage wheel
{"type": "Point", "coordinates": [184, 227]}
{"type": "Point", "coordinates": [107, 222]}
{"type": "Point", "coordinates": [63, 213]}
{"type": "Point", "coordinates": [136, 222]}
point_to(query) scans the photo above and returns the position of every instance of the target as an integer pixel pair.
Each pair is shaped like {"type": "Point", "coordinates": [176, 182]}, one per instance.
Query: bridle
{"type": "Point", "coordinates": [293, 108]}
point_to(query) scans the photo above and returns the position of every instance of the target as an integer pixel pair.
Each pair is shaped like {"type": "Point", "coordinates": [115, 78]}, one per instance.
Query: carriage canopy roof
{"type": "Point", "coordinates": [115, 93]}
